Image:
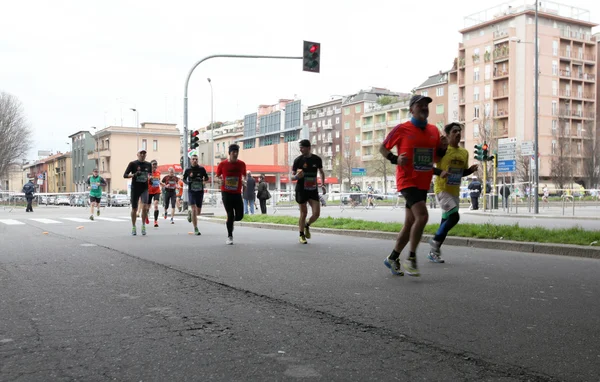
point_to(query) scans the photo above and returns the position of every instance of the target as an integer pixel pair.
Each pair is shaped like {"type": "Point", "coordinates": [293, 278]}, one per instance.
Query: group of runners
{"type": "Point", "coordinates": [422, 152]}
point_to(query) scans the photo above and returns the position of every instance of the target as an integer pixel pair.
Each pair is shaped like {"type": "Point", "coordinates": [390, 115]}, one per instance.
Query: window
{"type": "Point", "coordinates": [554, 124]}
{"type": "Point", "coordinates": [318, 123]}
{"type": "Point", "coordinates": [357, 153]}
{"type": "Point", "coordinates": [155, 145]}
{"type": "Point", "coordinates": [337, 148]}
{"type": "Point", "coordinates": [555, 48]}
{"type": "Point", "coordinates": [487, 110]}
{"type": "Point", "coordinates": [579, 129]}
{"type": "Point", "coordinates": [320, 137]}
{"type": "Point", "coordinates": [329, 122]}
{"type": "Point", "coordinates": [346, 125]}
{"type": "Point", "coordinates": [554, 109]}
{"type": "Point", "coordinates": [357, 108]}
{"type": "Point", "coordinates": [488, 72]}
{"type": "Point", "coordinates": [144, 144]}
{"type": "Point", "coordinates": [476, 75]}
{"type": "Point", "coordinates": [475, 130]}
{"type": "Point", "coordinates": [476, 111]}
{"type": "Point", "coordinates": [347, 139]}
{"type": "Point", "coordinates": [476, 93]}
{"type": "Point", "coordinates": [424, 93]}
{"type": "Point", "coordinates": [439, 92]}
{"type": "Point", "coordinates": [487, 90]}
{"type": "Point", "coordinates": [337, 120]}
{"type": "Point", "coordinates": [357, 123]}
{"type": "Point", "coordinates": [439, 109]}
{"type": "Point", "coordinates": [337, 134]}
{"type": "Point", "coordinates": [553, 146]}
{"type": "Point", "coordinates": [555, 68]}
{"type": "Point", "coordinates": [356, 138]}
{"type": "Point", "coordinates": [578, 147]}
{"type": "Point", "coordinates": [554, 88]}
{"type": "Point", "coordinates": [346, 111]}
{"type": "Point", "coordinates": [314, 124]}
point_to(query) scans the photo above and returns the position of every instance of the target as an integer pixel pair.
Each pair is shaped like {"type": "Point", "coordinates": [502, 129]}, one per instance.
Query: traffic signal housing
{"type": "Point", "coordinates": [479, 152]}
{"type": "Point", "coordinates": [311, 58]}
{"type": "Point", "coordinates": [485, 151]}
{"type": "Point", "coordinates": [194, 139]}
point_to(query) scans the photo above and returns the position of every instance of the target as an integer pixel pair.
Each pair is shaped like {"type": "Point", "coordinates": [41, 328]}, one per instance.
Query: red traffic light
{"type": "Point", "coordinates": [313, 48]}
{"type": "Point", "coordinates": [195, 133]}
{"type": "Point", "coordinates": [484, 147]}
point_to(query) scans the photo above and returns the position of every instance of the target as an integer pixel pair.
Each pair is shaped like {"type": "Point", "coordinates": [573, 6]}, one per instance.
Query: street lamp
{"type": "Point", "coordinates": [137, 126]}
{"type": "Point", "coordinates": [212, 136]}
{"type": "Point", "coordinates": [97, 148]}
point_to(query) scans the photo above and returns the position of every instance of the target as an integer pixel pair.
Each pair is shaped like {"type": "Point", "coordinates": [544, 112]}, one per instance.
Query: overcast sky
{"type": "Point", "coordinates": [77, 64]}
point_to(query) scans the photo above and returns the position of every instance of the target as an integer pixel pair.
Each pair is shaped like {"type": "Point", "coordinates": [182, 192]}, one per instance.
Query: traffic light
{"type": "Point", "coordinates": [311, 58]}
{"type": "Point", "coordinates": [485, 149]}
{"type": "Point", "coordinates": [181, 161]}
{"type": "Point", "coordinates": [479, 152]}
{"type": "Point", "coordinates": [194, 139]}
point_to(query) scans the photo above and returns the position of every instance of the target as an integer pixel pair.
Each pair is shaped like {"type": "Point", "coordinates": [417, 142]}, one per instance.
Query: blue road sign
{"type": "Point", "coordinates": [359, 171]}
{"type": "Point", "coordinates": [507, 165]}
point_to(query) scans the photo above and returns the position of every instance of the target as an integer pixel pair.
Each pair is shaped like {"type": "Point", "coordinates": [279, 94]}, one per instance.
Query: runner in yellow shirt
{"type": "Point", "coordinates": [447, 190]}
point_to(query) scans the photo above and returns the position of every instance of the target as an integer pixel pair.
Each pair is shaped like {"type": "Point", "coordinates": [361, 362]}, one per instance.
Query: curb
{"type": "Point", "coordinates": [504, 245]}
{"type": "Point", "coordinates": [516, 215]}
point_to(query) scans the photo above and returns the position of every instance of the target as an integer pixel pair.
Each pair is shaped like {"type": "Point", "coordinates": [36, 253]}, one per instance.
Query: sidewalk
{"type": "Point", "coordinates": [585, 211]}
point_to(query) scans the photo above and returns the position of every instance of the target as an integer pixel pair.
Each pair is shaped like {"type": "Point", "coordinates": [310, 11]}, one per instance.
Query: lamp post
{"type": "Point", "coordinates": [137, 126]}
{"type": "Point", "coordinates": [96, 148]}
{"type": "Point", "coordinates": [212, 136]}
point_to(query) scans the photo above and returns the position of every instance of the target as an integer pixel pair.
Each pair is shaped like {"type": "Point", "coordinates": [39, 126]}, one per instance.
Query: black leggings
{"type": "Point", "coordinates": [234, 206]}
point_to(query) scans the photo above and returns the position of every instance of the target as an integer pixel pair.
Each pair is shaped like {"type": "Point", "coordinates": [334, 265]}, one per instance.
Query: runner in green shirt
{"type": "Point", "coordinates": [95, 183]}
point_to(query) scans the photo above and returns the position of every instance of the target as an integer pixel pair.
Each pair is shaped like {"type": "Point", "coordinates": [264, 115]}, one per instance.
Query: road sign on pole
{"type": "Point", "coordinates": [507, 165]}
{"type": "Point", "coordinates": [507, 150]}
{"type": "Point", "coordinates": [527, 148]}
{"type": "Point", "coordinates": [359, 171]}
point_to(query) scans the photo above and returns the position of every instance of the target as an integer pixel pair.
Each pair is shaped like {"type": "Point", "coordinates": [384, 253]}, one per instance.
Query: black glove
{"type": "Point", "coordinates": [392, 158]}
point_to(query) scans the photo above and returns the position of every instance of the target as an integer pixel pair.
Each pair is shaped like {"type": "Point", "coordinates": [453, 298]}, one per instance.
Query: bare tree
{"type": "Point", "coordinates": [591, 156]}
{"type": "Point", "coordinates": [560, 165]}
{"type": "Point", "coordinates": [344, 163]}
{"type": "Point", "coordinates": [15, 134]}
{"type": "Point", "coordinates": [523, 168]}
{"type": "Point", "coordinates": [380, 167]}
{"type": "Point", "coordinates": [487, 133]}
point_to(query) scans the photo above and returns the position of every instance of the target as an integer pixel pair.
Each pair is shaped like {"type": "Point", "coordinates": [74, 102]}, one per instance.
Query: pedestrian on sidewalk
{"type": "Point", "coordinates": [249, 193]}
{"type": "Point", "coordinates": [505, 193]}
{"type": "Point", "coordinates": [29, 190]}
{"type": "Point", "coordinates": [475, 189]}
{"type": "Point", "coordinates": [447, 190]}
{"type": "Point", "coordinates": [418, 145]}
{"type": "Point", "coordinates": [263, 193]}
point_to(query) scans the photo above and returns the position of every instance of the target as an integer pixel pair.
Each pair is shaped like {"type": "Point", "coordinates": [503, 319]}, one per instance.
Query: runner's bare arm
{"type": "Point", "coordinates": [323, 180]}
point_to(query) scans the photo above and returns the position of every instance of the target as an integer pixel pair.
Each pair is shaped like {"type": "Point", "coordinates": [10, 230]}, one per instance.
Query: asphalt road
{"type": "Point", "coordinates": [88, 301]}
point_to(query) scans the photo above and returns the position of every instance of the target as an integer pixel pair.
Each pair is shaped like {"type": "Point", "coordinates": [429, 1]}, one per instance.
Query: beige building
{"type": "Point", "coordinates": [13, 180]}
{"type": "Point", "coordinates": [116, 146]}
{"type": "Point", "coordinates": [495, 77]}
{"type": "Point", "coordinates": [441, 109]}
{"type": "Point", "coordinates": [60, 174]}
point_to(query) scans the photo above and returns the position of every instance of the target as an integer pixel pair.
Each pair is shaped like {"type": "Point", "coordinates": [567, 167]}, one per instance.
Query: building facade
{"type": "Point", "coordinates": [82, 142]}
{"type": "Point", "coordinates": [116, 146]}
{"type": "Point", "coordinates": [496, 74]}
{"type": "Point", "coordinates": [437, 87]}
{"type": "Point", "coordinates": [13, 180]}
{"type": "Point", "coordinates": [60, 175]}
{"type": "Point", "coordinates": [324, 122]}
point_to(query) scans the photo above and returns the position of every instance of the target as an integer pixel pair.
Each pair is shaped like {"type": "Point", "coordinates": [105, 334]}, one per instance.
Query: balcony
{"type": "Point", "coordinates": [393, 122]}
{"type": "Point", "coordinates": [380, 125]}
{"type": "Point", "coordinates": [367, 142]}
{"type": "Point", "coordinates": [367, 157]}
{"type": "Point", "coordinates": [329, 154]}
{"type": "Point", "coordinates": [500, 34]}
{"type": "Point", "coordinates": [321, 114]}
{"type": "Point", "coordinates": [500, 73]}
{"type": "Point", "coordinates": [328, 140]}
{"type": "Point", "coordinates": [591, 96]}
{"type": "Point", "coordinates": [565, 53]}
{"type": "Point", "coordinates": [104, 153]}
{"type": "Point", "coordinates": [312, 129]}
{"type": "Point", "coordinates": [564, 113]}
{"type": "Point", "coordinates": [500, 131]}
{"type": "Point", "coordinates": [576, 35]}
{"type": "Point", "coordinates": [329, 113]}
{"type": "Point", "coordinates": [563, 93]}
{"type": "Point", "coordinates": [328, 167]}
{"type": "Point", "coordinates": [327, 127]}
{"type": "Point", "coordinates": [501, 54]}
{"type": "Point", "coordinates": [461, 81]}
{"type": "Point", "coordinates": [564, 73]}
{"type": "Point", "coordinates": [105, 174]}
{"type": "Point", "coordinates": [500, 93]}
{"type": "Point", "coordinates": [461, 101]}
{"type": "Point", "coordinates": [337, 111]}
{"type": "Point", "coordinates": [501, 113]}
{"type": "Point", "coordinates": [368, 127]}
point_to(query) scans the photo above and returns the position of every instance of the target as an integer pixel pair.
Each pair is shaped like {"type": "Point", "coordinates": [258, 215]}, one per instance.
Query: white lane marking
{"type": "Point", "coordinates": [46, 221]}
{"type": "Point", "coordinates": [109, 219]}
{"type": "Point", "coordinates": [11, 222]}
{"type": "Point", "coordinates": [79, 220]}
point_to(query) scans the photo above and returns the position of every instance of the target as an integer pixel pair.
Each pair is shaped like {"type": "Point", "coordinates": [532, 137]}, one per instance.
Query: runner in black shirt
{"type": "Point", "coordinates": [194, 177]}
{"type": "Point", "coordinates": [139, 171]}
{"type": "Point", "coordinates": [305, 170]}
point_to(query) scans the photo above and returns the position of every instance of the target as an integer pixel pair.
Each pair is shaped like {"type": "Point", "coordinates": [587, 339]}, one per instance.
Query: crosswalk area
{"type": "Point", "coordinates": [66, 220]}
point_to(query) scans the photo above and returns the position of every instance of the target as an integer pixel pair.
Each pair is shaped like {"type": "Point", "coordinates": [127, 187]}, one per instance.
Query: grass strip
{"type": "Point", "coordinates": [575, 235]}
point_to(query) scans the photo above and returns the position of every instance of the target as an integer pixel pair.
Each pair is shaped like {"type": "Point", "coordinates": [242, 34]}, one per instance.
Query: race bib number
{"type": "Point", "coordinates": [423, 159]}
{"type": "Point", "coordinates": [142, 177]}
{"type": "Point", "coordinates": [155, 183]}
{"type": "Point", "coordinates": [95, 186]}
{"type": "Point", "coordinates": [172, 184]}
{"type": "Point", "coordinates": [310, 183]}
{"type": "Point", "coordinates": [454, 176]}
{"type": "Point", "coordinates": [197, 186]}
{"type": "Point", "coordinates": [232, 182]}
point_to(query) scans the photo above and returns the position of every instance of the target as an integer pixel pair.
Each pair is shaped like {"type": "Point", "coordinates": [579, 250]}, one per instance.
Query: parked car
{"type": "Point", "coordinates": [79, 201]}
{"type": "Point", "coordinates": [62, 200]}
{"type": "Point", "coordinates": [119, 201]}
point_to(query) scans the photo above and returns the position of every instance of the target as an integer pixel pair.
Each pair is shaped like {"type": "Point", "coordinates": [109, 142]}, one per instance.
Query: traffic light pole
{"type": "Point", "coordinates": [186, 159]}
